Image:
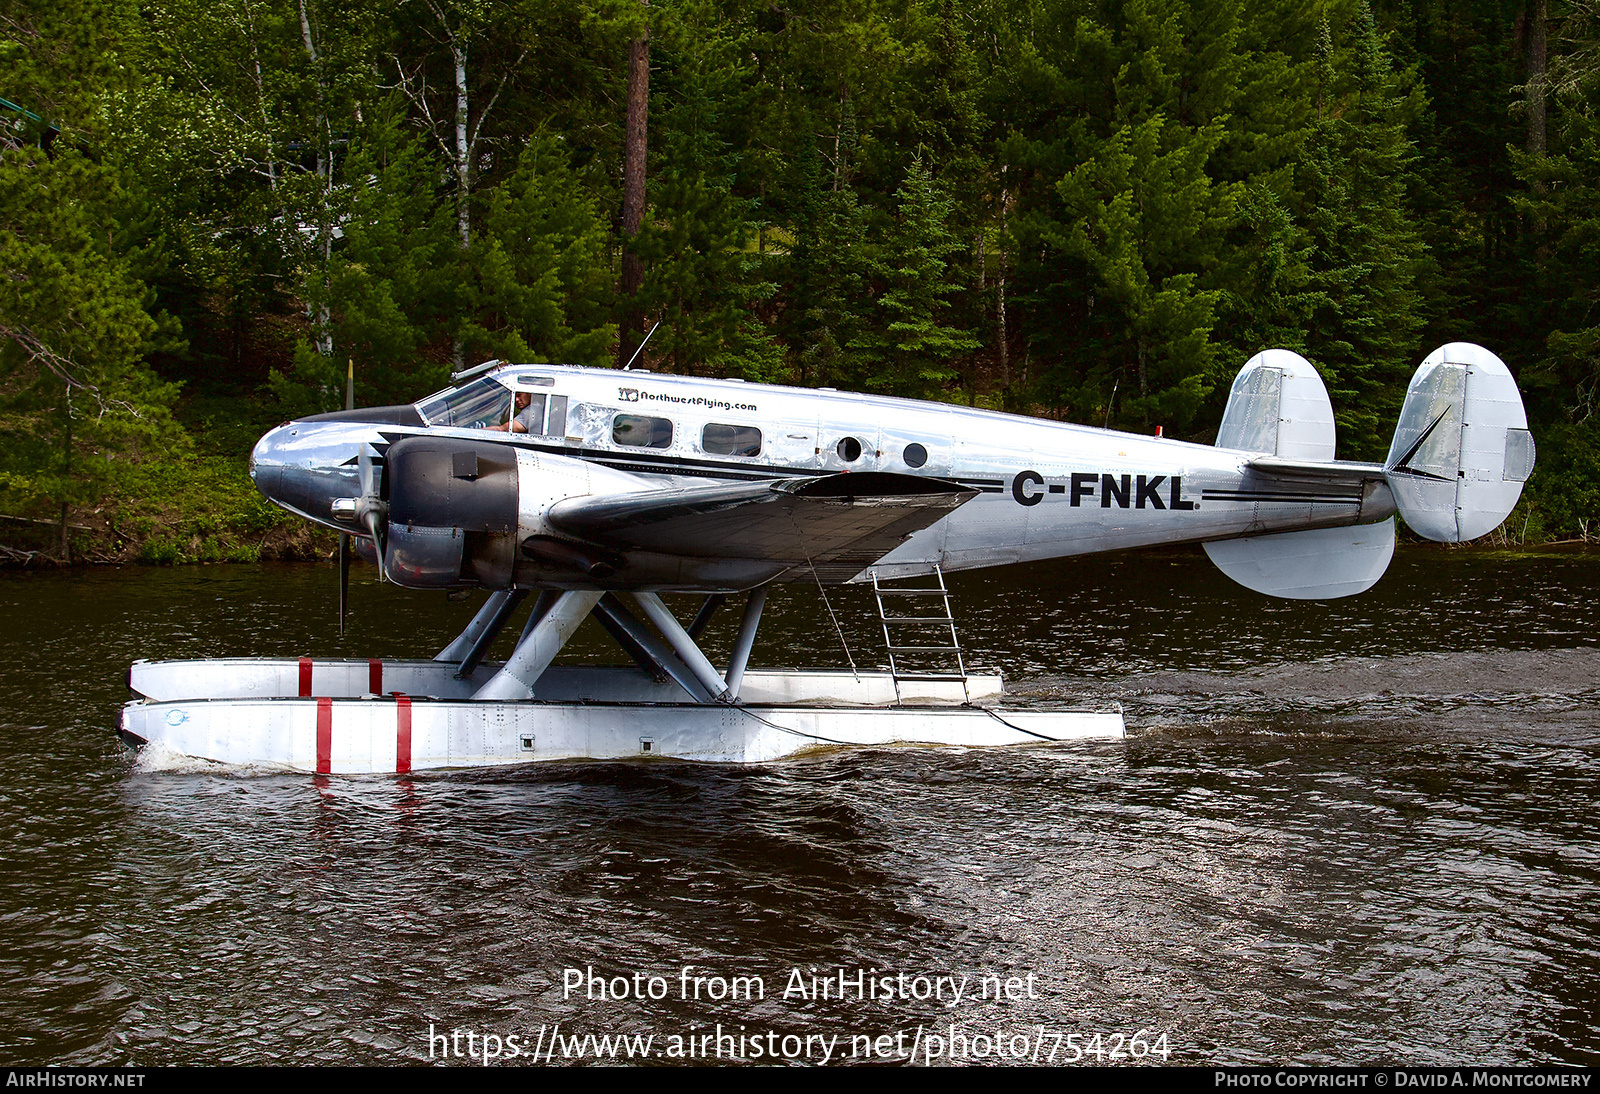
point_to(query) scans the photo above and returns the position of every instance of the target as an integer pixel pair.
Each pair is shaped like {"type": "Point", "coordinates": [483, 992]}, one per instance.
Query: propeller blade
{"type": "Point", "coordinates": [344, 578]}
{"type": "Point", "coordinates": [370, 500]}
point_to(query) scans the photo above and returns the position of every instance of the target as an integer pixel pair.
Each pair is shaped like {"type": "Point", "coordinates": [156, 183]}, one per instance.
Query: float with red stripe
{"type": "Point", "coordinates": [256, 713]}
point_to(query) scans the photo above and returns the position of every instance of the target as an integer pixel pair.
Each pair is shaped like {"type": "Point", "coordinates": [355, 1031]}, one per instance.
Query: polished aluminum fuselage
{"type": "Point", "coordinates": [1046, 489]}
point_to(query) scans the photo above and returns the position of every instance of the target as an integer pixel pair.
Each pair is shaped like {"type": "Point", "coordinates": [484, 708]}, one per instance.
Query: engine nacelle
{"type": "Point", "coordinates": [453, 509]}
{"type": "Point", "coordinates": [472, 513]}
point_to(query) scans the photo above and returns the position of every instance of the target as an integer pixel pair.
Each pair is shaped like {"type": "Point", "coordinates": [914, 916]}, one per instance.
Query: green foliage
{"type": "Point", "coordinates": [827, 271]}
{"type": "Point", "coordinates": [1078, 207]}
{"type": "Point", "coordinates": [394, 286]}
{"type": "Point", "coordinates": [1561, 199]}
{"type": "Point", "coordinates": [1366, 256]}
{"type": "Point", "coordinates": [1144, 219]}
{"type": "Point", "coordinates": [1564, 493]}
{"type": "Point", "coordinates": [910, 349]}
{"type": "Point", "coordinates": [542, 276]}
{"type": "Point", "coordinates": [1134, 221]}
{"type": "Point", "coordinates": [705, 281]}
{"type": "Point", "coordinates": [203, 508]}
{"type": "Point", "coordinates": [73, 393]}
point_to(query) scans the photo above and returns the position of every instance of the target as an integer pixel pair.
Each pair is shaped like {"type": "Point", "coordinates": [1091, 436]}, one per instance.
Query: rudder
{"type": "Point", "coordinates": [1462, 449]}
{"type": "Point", "coordinates": [1279, 406]}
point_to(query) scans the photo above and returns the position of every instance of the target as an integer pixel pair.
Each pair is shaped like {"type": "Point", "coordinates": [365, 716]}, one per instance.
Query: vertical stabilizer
{"type": "Point", "coordinates": [1279, 406]}
{"type": "Point", "coordinates": [1462, 449]}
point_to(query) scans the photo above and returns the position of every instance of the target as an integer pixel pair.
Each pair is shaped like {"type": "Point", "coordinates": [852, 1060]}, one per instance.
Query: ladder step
{"type": "Point", "coordinates": [935, 659]}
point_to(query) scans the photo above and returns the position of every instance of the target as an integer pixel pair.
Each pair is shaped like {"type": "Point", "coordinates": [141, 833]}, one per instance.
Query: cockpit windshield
{"type": "Point", "coordinates": [478, 405]}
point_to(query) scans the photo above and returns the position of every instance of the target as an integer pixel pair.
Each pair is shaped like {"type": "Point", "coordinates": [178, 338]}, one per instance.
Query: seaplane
{"type": "Point", "coordinates": [593, 492]}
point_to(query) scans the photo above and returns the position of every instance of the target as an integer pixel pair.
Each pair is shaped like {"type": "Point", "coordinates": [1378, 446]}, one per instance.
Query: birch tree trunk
{"type": "Point", "coordinates": [321, 317]}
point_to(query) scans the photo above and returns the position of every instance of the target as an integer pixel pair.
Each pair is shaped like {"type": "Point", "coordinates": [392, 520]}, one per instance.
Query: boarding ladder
{"type": "Point", "coordinates": [915, 622]}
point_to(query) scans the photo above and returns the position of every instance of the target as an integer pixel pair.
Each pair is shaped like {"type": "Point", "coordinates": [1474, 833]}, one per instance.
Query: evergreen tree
{"type": "Point", "coordinates": [1560, 196]}
{"type": "Point", "coordinates": [1560, 200]}
{"type": "Point", "coordinates": [705, 281]}
{"type": "Point", "coordinates": [827, 276]}
{"type": "Point", "coordinates": [1149, 222]}
{"type": "Point", "coordinates": [395, 290]}
{"type": "Point", "coordinates": [1366, 254]}
{"type": "Point", "coordinates": [912, 349]}
{"type": "Point", "coordinates": [74, 396]}
{"type": "Point", "coordinates": [1120, 221]}
{"type": "Point", "coordinates": [540, 266]}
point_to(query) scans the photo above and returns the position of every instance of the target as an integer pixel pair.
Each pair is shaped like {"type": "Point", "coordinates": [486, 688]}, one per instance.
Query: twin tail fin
{"type": "Point", "coordinates": [1455, 469]}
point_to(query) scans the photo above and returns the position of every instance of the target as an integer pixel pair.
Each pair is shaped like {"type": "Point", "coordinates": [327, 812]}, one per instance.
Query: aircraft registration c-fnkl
{"type": "Point", "coordinates": [600, 489]}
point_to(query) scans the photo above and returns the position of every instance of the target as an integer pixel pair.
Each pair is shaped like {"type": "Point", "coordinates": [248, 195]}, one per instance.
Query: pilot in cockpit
{"type": "Point", "coordinates": [521, 420]}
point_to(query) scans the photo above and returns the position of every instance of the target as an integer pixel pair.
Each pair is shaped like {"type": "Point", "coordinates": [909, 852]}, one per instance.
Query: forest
{"type": "Point", "coordinates": [1093, 210]}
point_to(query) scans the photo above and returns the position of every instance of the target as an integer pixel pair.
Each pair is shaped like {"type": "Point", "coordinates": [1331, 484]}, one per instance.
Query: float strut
{"type": "Point", "coordinates": [535, 652]}
{"type": "Point", "coordinates": [641, 656]}
{"type": "Point", "coordinates": [746, 640]}
{"type": "Point", "coordinates": [457, 649]}
{"type": "Point", "coordinates": [625, 620]}
{"type": "Point", "coordinates": [682, 644]}
{"type": "Point", "coordinates": [541, 608]}
{"type": "Point", "coordinates": [497, 622]}
{"type": "Point", "coordinates": [703, 616]}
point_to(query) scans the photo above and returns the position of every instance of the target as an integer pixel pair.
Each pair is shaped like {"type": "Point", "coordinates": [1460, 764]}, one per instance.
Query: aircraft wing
{"type": "Point", "coordinates": [833, 526]}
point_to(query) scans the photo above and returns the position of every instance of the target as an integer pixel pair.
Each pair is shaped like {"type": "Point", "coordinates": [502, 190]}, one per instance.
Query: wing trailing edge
{"type": "Point", "coordinates": [830, 527]}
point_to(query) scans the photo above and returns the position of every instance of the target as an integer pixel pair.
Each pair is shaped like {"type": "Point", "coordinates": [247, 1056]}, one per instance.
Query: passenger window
{"type": "Point", "coordinates": [731, 440]}
{"type": "Point", "coordinates": [638, 431]}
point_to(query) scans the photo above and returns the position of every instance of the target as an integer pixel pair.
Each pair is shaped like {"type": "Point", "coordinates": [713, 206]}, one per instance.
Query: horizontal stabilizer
{"type": "Point", "coordinates": [1333, 473]}
{"type": "Point", "coordinates": [1279, 406]}
{"type": "Point", "coordinates": [1318, 564]}
{"type": "Point", "coordinates": [1462, 449]}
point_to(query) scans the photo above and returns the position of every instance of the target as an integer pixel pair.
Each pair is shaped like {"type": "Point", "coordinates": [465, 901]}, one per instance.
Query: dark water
{"type": "Point", "coordinates": [1355, 832]}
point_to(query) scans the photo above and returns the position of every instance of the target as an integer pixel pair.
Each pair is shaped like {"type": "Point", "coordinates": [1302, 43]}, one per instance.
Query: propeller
{"type": "Point", "coordinates": [371, 511]}
{"type": "Point", "coordinates": [370, 508]}
{"type": "Point", "coordinates": [344, 577]}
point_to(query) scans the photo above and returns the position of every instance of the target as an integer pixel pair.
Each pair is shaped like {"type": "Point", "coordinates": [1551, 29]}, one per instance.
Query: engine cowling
{"type": "Point", "coordinates": [467, 513]}
{"type": "Point", "coordinates": [452, 513]}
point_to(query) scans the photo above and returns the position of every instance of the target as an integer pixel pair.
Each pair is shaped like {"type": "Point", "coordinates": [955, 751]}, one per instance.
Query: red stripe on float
{"type": "Point", "coordinates": [305, 677]}
{"type": "Point", "coordinates": [375, 676]}
{"type": "Point", "coordinates": [324, 735]}
{"type": "Point", "coordinates": [402, 734]}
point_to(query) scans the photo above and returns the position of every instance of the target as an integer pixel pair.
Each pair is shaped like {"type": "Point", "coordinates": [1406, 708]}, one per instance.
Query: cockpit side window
{"type": "Point", "coordinates": [556, 425]}
{"type": "Point", "coordinates": [478, 405]}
